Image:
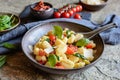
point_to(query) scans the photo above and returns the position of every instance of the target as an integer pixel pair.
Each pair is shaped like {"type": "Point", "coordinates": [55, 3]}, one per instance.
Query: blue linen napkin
{"type": "Point", "coordinates": [110, 36]}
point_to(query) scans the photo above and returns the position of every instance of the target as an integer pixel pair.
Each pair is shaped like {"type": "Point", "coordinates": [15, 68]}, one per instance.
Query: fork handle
{"type": "Point", "coordinates": [100, 29]}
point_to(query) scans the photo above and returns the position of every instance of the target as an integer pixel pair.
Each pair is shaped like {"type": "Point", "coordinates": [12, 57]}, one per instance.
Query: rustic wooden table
{"type": "Point", "coordinates": [18, 67]}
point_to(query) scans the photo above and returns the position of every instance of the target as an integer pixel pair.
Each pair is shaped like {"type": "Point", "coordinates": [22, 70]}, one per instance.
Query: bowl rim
{"type": "Point", "coordinates": [6, 13]}
{"type": "Point", "coordinates": [60, 20]}
{"type": "Point", "coordinates": [93, 4]}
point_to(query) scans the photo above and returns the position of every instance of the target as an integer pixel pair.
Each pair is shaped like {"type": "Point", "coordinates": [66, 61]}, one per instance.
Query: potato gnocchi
{"type": "Point", "coordinates": [64, 49]}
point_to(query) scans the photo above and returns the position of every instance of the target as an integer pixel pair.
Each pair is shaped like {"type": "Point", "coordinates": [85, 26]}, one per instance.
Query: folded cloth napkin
{"type": "Point", "coordinates": [110, 36]}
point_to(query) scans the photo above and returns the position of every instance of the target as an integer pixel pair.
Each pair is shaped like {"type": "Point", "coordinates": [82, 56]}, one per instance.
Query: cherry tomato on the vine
{"type": "Point", "coordinates": [77, 16]}
{"type": "Point", "coordinates": [74, 9]}
{"type": "Point", "coordinates": [70, 12]}
{"type": "Point", "coordinates": [57, 14]}
{"type": "Point", "coordinates": [65, 15]}
{"type": "Point", "coordinates": [67, 11]}
{"type": "Point", "coordinates": [79, 8]}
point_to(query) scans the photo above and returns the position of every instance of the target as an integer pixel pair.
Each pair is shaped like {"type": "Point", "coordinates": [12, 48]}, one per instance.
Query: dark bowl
{"type": "Point", "coordinates": [45, 14]}
{"type": "Point", "coordinates": [93, 7]}
{"type": "Point", "coordinates": [14, 24]}
{"type": "Point", "coordinates": [33, 35]}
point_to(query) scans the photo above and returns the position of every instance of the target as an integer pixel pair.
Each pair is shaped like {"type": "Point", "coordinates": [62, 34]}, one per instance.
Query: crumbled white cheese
{"type": "Point", "coordinates": [88, 53]}
{"type": "Point", "coordinates": [49, 50]}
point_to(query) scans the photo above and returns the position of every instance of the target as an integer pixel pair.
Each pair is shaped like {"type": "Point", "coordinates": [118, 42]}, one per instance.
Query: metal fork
{"type": "Point", "coordinates": [91, 34]}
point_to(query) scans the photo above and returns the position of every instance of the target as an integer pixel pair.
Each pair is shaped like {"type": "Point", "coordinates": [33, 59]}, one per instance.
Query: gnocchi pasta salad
{"type": "Point", "coordinates": [64, 49]}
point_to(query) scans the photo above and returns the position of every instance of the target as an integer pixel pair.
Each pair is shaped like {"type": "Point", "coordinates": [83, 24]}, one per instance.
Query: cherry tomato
{"type": "Point", "coordinates": [77, 16]}
{"type": "Point", "coordinates": [69, 50]}
{"type": "Point", "coordinates": [89, 46]}
{"type": "Point", "coordinates": [52, 37]}
{"type": "Point", "coordinates": [58, 64]}
{"type": "Point", "coordinates": [74, 9]}
{"type": "Point", "coordinates": [60, 67]}
{"type": "Point", "coordinates": [74, 48]}
{"type": "Point", "coordinates": [65, 15]}
{"type": "Point", "coordinates": [57, 14]}
{"type": "Point", "coordinates": [70, 12]}
{"type": "Point", "coordinates": [79, 8]}
{"type": "Point", "coordinates": [42, 53]}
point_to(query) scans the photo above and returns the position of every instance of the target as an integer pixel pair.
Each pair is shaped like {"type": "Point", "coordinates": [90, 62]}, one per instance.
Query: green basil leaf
{"type": "Point", "coordinates": [52, 59]}
{"type": "Point", "coordinates": [68, 33]}
{"type": "Point", "coordinates": [79, 55]}
{"type": "Point", "coordinates": [58, 31]}
{"type": "Point", "coordinates": [82, 42]}
{"type": "Point", "coordinates": [9, 45]}
{"type": "Point", "coordinates": [58, 58]}
{"type": "Point", "coordinates": [2, 60]}
{"type": "Point", "coordinates": [47, 39]}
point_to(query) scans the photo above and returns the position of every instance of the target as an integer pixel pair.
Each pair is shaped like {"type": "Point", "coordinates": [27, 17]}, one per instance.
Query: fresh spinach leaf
{"type": "Point", "coordinates": [52, 59]}
{"type": "Point", "coordinates": [79, 55]}
{"type": "Point", "coordinates": [58, 31]}
{"type": "Point", "coordinates": [82, 42]}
